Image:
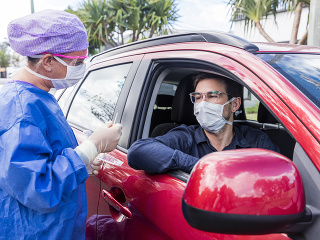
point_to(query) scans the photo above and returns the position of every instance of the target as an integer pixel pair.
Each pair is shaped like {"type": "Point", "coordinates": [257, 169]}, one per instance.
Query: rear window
{"type": "Point", "coordinates": [302, 70]}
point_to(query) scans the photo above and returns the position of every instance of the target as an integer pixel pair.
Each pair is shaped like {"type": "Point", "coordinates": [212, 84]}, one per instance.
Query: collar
{"type": "Point", "coordinates": [238, 138]}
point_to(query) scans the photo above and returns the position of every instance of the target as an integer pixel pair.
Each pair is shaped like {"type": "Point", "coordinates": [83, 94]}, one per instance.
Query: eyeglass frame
{"type": "Point", "coordinates": [67, 56]}
{"type": "Point", "coordinates": [72, 63]}
{"type": "Point", "coordinates": [206, 97]}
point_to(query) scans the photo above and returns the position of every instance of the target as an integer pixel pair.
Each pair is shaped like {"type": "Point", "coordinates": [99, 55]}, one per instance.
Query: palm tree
{"type": "Point", "coordinates": [254, 11]}
{"type": "Point", "coordinates": [97, 18]}
{"type": "Point", "coordinates": [120, 15]}
{"type": "Point", "coordinates": [137, 17]}
{"type": "Point", "coordinates": [162, 14]}
{"type": "Point", "coordinates": [296, 7]}
{"type": "Point", "coordinates": [106, 19]}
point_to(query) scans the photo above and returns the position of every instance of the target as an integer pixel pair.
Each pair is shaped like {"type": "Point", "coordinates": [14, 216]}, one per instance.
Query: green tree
{"type": "Point", "coordinates": [295, 6]}
{"type": "Point", "coordinates": [120, 14]}
{"type": "Point", "coordinates": [97, 19]}
{"type": "Point", "coordinates": [106, 21]}
{"type": "Point", "coordinates": [4, 56]}
{"type": "Point", "coordinates": [163, 13]}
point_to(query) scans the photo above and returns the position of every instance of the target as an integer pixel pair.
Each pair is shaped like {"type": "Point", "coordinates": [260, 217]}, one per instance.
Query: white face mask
{"type": "Point", "coordinates": [73, 76]}
{"type": "Point", "coordinates": [209, 115]}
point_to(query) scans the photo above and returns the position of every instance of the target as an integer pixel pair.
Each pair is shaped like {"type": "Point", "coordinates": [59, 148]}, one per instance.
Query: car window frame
{"type": "Point", "coordinates": [136, 60]}
{"type": "Point", "coordinates": [148, 91]}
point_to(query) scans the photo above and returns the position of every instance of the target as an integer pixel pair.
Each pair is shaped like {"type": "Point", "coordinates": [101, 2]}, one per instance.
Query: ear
{"type": "Point", "coordinates": [235, 104]}
{"type": "Point", "coordinates": [47, 60]}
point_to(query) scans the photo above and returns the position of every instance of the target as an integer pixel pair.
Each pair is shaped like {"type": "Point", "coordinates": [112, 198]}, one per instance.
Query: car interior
{"type": "Point", "coordinates": [172, 107]}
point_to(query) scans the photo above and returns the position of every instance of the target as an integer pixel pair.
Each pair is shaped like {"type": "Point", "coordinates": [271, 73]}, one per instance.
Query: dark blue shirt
{"type": "Point", "coordinates": [182, 147]}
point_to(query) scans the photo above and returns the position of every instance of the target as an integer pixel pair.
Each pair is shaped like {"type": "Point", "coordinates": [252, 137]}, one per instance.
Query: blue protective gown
{"type": "Point", "coordinates": [42, 179]}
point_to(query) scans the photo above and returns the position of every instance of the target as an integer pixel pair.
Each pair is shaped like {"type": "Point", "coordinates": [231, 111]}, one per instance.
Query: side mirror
{"type": "Point", "coordinates": [247, 191]}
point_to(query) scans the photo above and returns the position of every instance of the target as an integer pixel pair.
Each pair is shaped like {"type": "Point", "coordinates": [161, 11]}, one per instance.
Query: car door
{"type": "Point", "coordinates": [95, 100]}
{"type": "Point", "coordinates": [134, 204]}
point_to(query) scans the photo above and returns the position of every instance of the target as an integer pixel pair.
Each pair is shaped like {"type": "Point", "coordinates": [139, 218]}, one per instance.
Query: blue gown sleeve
{"type": "Point", "coordinates": [164, 153]}
{"type": "Point", "coordinates": [30, 175]}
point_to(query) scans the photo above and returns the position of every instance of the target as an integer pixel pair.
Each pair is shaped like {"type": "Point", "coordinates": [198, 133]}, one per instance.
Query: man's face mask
{"type": "Point", "coordinates": [209, 115]}
{"type": "Point", "coordinates": [74, 72]}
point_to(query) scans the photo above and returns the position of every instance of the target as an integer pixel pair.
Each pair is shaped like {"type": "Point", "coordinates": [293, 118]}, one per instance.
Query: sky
{"type": "Point", "coordinates": [194, 14]}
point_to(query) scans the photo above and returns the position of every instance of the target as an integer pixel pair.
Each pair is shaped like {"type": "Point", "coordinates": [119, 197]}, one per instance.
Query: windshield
{"type": "Point", "coordinates": [302, 70]}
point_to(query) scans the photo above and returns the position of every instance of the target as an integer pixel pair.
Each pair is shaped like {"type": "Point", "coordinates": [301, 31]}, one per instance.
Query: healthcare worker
{"type": "Point", "coordinates": [43, 170]}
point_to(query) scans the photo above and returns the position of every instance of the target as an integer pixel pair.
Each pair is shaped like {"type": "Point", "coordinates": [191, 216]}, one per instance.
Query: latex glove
{"type": "Point", "coordinates": [104, 139]}
{"type": "Point", "coordinates": [95, 166]}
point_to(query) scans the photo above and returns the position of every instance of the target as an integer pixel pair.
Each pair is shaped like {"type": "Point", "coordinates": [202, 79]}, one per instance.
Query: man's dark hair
{"type": "Point", "coordinates": [233, 88]}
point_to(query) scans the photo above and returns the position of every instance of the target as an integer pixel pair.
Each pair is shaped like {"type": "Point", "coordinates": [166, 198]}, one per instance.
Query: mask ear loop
{"type": "Point", "coordinates": [72, 64]}
{"type": "Point", "coordinates": [229, 101]}
{"type": "Point", "coordinates": [38, 65]}
{"type": "Point", "coordinates": [40, 61]}
{"type": "Point", "coordinates": [60, 61]}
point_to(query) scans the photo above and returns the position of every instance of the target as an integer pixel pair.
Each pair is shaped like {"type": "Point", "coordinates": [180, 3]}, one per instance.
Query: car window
{"type": "Point", "coordinates": [251, 105]}
{"type": "Point", "coordinates": [302, 70]}
{"type": "Point", "coordinates": [167, 89]}
{"type": "Point", "coordinates": [165, 96]}
{"type": "Point", "coordinates": [63, 96]}
{"type": "Point", "coordinates": [95, 101]}
{"type": "Point", "coordinates": [163, 105]}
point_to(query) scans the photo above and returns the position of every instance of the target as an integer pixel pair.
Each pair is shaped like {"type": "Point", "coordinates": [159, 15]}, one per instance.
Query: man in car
{"type": "Point", "coordinates": [216, 99]}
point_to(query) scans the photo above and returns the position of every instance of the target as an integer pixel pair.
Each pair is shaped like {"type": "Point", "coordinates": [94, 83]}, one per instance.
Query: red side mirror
{"type": "Point", "coordinates": [248, 191]}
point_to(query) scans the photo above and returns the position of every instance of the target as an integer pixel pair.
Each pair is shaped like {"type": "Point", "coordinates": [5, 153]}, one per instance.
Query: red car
{"type": "Point", "coordinates": [237, 194]}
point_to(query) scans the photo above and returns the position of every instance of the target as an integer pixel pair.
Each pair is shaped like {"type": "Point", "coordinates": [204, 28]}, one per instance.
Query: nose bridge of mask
{"type": "Point", "coordinates": [217, 108]}
{"type": "Point", "coordinates": [204, 105]}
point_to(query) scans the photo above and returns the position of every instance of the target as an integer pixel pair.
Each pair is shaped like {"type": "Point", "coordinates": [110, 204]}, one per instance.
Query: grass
{"type": "Point", "coordinates": [252, 112]}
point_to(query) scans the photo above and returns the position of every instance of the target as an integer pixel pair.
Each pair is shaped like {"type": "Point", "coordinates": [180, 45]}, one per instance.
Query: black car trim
{"type": "Point", "coordinates": [183, 176]}
{"type": "Point", "coordinates": [241, 224]}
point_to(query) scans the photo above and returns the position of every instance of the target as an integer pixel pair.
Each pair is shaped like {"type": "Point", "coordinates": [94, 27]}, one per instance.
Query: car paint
{"type": "Point", "coordinates": [155, 200]}
{"type": "Point", "coordinates": [262, 184]}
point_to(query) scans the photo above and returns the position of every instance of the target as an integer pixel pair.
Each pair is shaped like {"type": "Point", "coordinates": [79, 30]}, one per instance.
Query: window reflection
{"type": "Point", "coordinates": [96, 100]}
{"type": "Point", "coordinates": [302, 70]}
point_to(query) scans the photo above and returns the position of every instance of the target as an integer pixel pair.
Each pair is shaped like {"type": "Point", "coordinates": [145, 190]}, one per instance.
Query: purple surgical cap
{"type": "Point", "coordinates": [49, 31]}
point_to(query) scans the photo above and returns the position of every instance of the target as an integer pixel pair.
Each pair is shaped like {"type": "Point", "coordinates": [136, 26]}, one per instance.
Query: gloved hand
{"type": "Point", "coordinates": [104, 139]}
{"type": "Point", "coordinates": [95, 166]}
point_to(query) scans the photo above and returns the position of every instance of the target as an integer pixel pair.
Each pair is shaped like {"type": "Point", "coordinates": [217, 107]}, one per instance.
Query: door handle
{"type": "Point", "coordinates": [114, 203]}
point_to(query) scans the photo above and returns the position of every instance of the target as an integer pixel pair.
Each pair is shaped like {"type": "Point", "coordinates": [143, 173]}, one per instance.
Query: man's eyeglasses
{"type": "Point", "coordinates": [211, 96]}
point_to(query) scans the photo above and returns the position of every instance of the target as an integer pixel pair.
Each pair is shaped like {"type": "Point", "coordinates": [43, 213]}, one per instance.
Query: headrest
{"type": "Point", "coordinates": [164, 100]}
{"type": "Point", "coordinates": [264, 116]}
{"type": "Point", "coordinates": [182, 107]}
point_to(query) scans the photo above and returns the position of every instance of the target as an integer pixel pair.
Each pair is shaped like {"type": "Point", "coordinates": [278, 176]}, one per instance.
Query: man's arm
{"type": "Point", "coordinates": [164, 153]}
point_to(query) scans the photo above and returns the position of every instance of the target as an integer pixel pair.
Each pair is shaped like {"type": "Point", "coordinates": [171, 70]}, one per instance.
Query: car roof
{"type": "Point", "coordinates": [211, 37]}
